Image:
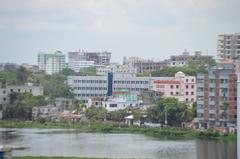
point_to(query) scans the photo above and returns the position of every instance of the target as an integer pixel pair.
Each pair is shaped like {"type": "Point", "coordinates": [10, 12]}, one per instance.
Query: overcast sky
{"type": "Point", "coordinates": [145, 28]}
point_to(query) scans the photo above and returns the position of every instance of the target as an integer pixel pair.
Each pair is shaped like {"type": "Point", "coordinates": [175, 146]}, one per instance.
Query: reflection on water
{"type": "Point", "coordinates": [49, 142]}
{"type": "Point", "coordinates": [216, 149]}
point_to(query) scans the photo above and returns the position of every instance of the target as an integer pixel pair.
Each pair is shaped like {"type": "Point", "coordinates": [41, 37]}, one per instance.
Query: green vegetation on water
{"type": "Point", "coordinates": [176, 133]}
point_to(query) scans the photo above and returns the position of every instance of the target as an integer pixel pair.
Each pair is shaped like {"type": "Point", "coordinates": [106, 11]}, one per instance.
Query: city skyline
{"type": "Point", "coordinates": [149, 29]}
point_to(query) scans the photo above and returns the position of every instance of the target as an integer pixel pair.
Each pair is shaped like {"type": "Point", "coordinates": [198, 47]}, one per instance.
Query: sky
{"type": "Point", "coordinates": [146, 28]}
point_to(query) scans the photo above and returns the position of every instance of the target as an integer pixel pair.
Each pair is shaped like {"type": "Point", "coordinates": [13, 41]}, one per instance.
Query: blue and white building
{"type": "Point", "coordinates": [85, 87]}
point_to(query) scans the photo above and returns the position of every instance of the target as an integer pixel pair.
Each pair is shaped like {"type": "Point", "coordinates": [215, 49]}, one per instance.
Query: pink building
{"type": "Point", "coordinates": [181, 86]}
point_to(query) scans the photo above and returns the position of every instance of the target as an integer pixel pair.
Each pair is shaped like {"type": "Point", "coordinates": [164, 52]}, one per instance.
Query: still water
{"type": "Point", "coordinates": [57, 142]}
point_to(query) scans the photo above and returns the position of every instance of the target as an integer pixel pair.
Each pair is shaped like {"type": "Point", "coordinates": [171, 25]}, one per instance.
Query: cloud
{"type": "Point", "coordinates": [127, 27]}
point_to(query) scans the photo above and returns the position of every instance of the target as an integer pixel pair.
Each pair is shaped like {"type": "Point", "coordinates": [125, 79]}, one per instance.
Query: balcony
{"type": "Point", "coordinates": [200, 85]}
{"type": "Point", "coordinates": [212, 103]}
{"type": "Point", "coordinates": [212, 94]}
{"type": "Point", "coordinates": [200, 102]}
{"type": "Point", "coordinates": [200, 94]}
{"type": "Point", "coordinates": [224, 85]}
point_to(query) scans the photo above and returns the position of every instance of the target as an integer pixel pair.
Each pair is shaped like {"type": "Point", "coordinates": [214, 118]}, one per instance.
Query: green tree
{"type": "Point", "coordinates": [22, 75]}
{"type": "Point", "coordinates": [171, 109]}
{"type": "Point", "coordinates": [78, 106]}
{"type": "Point", "coordinates": [88, 71]}
{"type": "Point", "coordinates": [170, 71]}
{"type": "Point", "coordinates": [94, 114]}
{"type": "Point", "coordinates": [67, 72]}
{"type": "Point", "coordinates": [202, 64]}
{"type": "Point", "coordinates": [21, 105]}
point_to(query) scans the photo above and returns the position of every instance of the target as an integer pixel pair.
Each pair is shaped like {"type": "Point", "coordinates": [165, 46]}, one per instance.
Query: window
{"type": "Point", "coordinates": [113, 105]}
{"type": "Point", "coordinates": [192, 93]}
{"type": "Point", "coordinates": [186, 99]}
{"type": "Point", "coordinates": [192, 86]}
{"type": "Point", "coordinates": [171, 86]}
{"type": "Point", "coordinates": [187, 86]}
{"type": "Point", "coordinates": [177, 86]}
{"type": "Point", "coordinates": [171, 93]}
{"type": "Point", "coordinates": [186, 80]}
{"type": "Point", "coordinates": [186, 93]}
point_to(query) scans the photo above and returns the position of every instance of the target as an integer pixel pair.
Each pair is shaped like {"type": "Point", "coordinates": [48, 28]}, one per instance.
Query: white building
{"type": "Point", "coordinates": [99, 58]}
{"type": "Point", "coordinates": [78, 65]}
{"type": "Point", "coordinates": [51, 62]}
{"type": "Point", "coordinates": [85, 87]}
{"type": "Point", "coordinates": [103, 70]}
{"type": "Point", "coordinates": [228, 46]}
{"type": "Point", "coordinates": [6, 90]}
{"type": "Point", "coordinates": [114, 104]}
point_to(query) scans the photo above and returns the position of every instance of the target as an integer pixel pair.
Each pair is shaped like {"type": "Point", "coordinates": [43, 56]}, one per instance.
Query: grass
{"type": "Point", "coordinates": [172, 133]}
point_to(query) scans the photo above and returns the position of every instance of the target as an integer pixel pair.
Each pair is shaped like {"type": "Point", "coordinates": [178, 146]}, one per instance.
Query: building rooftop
{"type": "Point", "coordinates": [167, 82]}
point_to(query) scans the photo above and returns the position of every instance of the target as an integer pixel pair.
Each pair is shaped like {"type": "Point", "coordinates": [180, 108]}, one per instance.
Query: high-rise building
{"type": "Point", "coordinates": [228, 46]}
{"type": "Point", "coordinates": [217, 97]}
{"type": "Point", "coordinates": [51, 62]}
{"type": "Point", "coordinates": [238, 114]}
{"type": "Point", "coordinates": [143, 65]}
{"type": "Point", "coordinates": [99, 58]}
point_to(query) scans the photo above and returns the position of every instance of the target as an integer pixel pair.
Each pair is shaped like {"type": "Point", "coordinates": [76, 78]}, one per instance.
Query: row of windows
{"type": "Point", "coordinates": [177, 93]}
{"type": "Point", "coordinates": [89, 95]}
{"type": "Point", "coordinates": [133, 89]}
{"type": "Point", "coordinates": [187, 80]}
{"type": "Point", "coordinates": [90, 81]}
{"type": "Point", "coordinates": [18, 90]}
{"type": "Point", "coordinates": [131, 82]}
{"type": "Point", "coordinates": [187, 100]}
{"type": "Point", "coordinates": [177, 86]}
{"type": "Point", "coordinates": [90, 88]}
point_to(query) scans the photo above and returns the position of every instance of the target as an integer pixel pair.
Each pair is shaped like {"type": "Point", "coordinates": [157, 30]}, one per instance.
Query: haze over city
{"type": "Point", "coordinates": [146, 28]}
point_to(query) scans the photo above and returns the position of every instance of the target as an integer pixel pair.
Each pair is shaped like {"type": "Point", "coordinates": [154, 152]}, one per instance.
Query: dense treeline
{"type": "Point", "coordinates": [21, 104]}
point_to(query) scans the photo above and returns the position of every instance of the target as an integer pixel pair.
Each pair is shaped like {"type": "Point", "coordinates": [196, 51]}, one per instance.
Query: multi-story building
{"type": "Point", "coordinates": [85, 87]}
{"type": "Point", "coordinates": [228, 46]}
{"type": "Point", "coordinates": [217, 97]}
{"type": "Point", "coordinates": [238, 114]}
{"type": "Point", "coordinates": [103, 70]}
{"type": "Point", "coordinates": [6, 90]}
{"type": "Point", "coordinates": [99, 58]}
{"type": "Point", "coordinates": [8, 66]}
{"type": "Point", "coordinates": [51, 62]}
{"type": "Point", "coordinates": [181, 60]}
{"type": "Point", "coordinates": [78, 65]}
{"type": "Point", "coordinates": [142, 65]}
{"type": "Point", "coordinates": [181, 86]}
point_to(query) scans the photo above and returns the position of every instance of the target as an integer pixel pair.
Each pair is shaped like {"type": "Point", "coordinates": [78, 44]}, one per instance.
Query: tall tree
{"type": "Point", "coordinates": [22, 75]}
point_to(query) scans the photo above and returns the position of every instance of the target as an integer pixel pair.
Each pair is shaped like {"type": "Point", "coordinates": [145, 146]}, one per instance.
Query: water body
{"type": "Point", "coordinates": [57, 142]}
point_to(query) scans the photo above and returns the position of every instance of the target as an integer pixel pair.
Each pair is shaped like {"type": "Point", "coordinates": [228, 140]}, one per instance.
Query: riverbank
{"type": "Point", "coordinates": [176, 133]}
{"type": "Point", "coordinates": [42, 157]}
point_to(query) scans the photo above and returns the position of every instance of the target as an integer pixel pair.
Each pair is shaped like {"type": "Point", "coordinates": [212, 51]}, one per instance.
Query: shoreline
{"type": "Point", "coordinates": [175, 133]}
{"type": "Point", "coordinates": [54, 157]}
